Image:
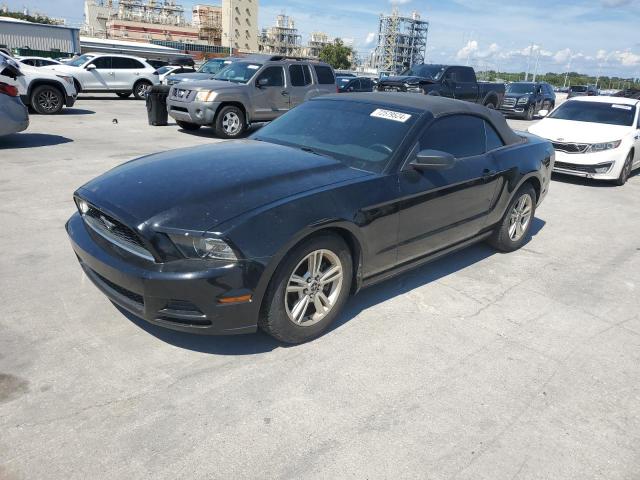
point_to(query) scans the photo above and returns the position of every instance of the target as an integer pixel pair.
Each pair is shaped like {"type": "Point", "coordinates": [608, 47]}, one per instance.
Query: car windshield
{"type": "Point", "coordinates": [360, 135]}
{"type": "Point", "coordinates": [578, 88]}
{"type": "Point", "coordinates": [433, 72]}
{"type": "Point", "coordinates": [342, 81]}
{"type": "Point", "coordinates": [212, 66]}
{"type": "Point", "coordinates": [596, 112]}
{"type": "Point", "coordinates": [163, 70]}
{"type": "Point", "coordinates": [81, 60]}
{"type": "Point", "coordinates": [521, 88]}
{"type": "Point", "coordinates": [238, 72]}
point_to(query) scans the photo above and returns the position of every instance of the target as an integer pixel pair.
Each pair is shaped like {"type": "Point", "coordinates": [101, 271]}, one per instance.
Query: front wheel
{"type": "Point", "coordinates": [47, 100]}
{"type": "Point", "coordinates": [625, 173]}
{"type": "Point", "coordinates": [230, 122]}
{"type": "Point", "coordinates": [140, 89]}
{"type": "Point", "coordinates": [514, 229]}
{"type": "Point", "coordinates": [490, 105]}
{"type": "Point", "coordinates": [308, 290]}
{"type": "Point", "coordinates": [530, 112]}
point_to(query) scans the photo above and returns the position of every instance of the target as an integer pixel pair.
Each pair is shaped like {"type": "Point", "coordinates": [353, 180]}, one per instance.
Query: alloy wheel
{"type": "Point", "coordinates": [142, 89]}
{"type": "Point", "coordinates": [231, 123]}
{"type": "Point", "coordinates": [313, 287]}
{"type": "Point", "coordinates": [520, 217]}
{"type": "Point", "coordinates": [48, 100]}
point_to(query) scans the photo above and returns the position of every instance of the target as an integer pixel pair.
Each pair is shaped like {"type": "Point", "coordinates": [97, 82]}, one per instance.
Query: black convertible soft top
{"type": "Point", "coordinates": [437, 106]}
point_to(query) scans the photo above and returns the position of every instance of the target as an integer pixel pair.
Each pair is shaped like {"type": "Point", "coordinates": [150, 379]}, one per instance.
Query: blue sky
{"type": "Point", "coordinates": [591, 35]}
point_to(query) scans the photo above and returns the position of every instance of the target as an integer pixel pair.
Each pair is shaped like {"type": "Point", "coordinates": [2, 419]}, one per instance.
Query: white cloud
{"type": "Point", "coordinates": [562, 56]}
{"type": "Point", "coordinates": [468, 50]}
{"type": "Point", "coordinates": [399, 2]}
{"type": "Point", "coordinates": [628, 59]}
{"type": "Point", "coordinates": [371, 37]}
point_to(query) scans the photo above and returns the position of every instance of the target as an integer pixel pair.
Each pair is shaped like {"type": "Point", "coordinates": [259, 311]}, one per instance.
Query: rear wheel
{"type": "Point", "coordinates": [230, 122]}
{"type": "Point", "coordinates": [514, 229]}
{"type": "Point", "coordinates": [140, 89]}
{"type": "Point", "coordinates": [308, 290]}
{"type": "Point", "coordinates": [625, 173]}
{"type": "Point", "coordinates": [123, 94]}
{"type": "Point", "coordinates": [47, 100]}
{"type": "Point", "coordinates": [530, 112]}
{"type": "Point", "coordinates": [187, 125]}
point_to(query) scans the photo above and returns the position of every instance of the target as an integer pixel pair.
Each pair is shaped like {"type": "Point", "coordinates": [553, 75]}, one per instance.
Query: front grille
{"type": "Point", "coordinates": [571, 147]}
{"type": "Point", "coordinates": [181, 94]}
{"type": "Point", "coordinates": [578, 168]}
{"type": "Point", "coordinates": [509, 102]}
{"type": "Point", "coordinates": [121, 290]}
{"type": "Point", "coordinates": [116, 232]}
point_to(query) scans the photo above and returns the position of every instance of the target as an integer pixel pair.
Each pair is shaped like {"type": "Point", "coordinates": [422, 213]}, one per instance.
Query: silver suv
{"type": "Point", "coordinates": [258, 88]}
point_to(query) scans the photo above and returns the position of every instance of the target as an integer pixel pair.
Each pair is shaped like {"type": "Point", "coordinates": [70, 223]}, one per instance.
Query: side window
{"type": "Point", "coordinates": [102, 62]}
{"type": "Point", "coordinates": [297, 76]}
{"type": "Point", "coordinates": [30, 62]}
{"type": "Point", "coordinates": [308, 79]}
{"type": "Point", "coordinates": [125, 63]}
{"type": "Point", "coordinates": [355, 84]}
{"type": "Point", "coordinates": [325, 75]}
{"type": "Point", "coordinates": [445, 134]}
{"type": "Point", "coordinates": [451, 75]}
{"type": "Point", "coordinates": [274, 75]}
{"type": "Point", "coordinates": [466, 75]}
{"type": "Point", "coordinates": [367, 83]}
{"type": "Point", "coordinates": [493, 139]}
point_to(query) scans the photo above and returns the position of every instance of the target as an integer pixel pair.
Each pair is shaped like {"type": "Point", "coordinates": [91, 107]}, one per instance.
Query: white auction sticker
{"type": "Point", "coordinates": [623, 107]}
{"type": "Point", "coordinates": [391, 115]}
{"type": "Point", "coordinates": [253, 67]}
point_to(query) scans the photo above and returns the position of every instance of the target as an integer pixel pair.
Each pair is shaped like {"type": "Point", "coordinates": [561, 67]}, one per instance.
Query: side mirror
{"type": "Point", "coordinates": [90, 67]}
{"type": "Point", "coordinates": [433, 160]}
{"type": "Point", "coordinates": [543, 113]}
{"type": "Point", "coordinates": [263, 82]}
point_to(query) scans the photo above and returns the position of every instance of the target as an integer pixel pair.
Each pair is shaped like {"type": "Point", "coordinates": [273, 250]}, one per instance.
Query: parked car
{"type": "Point", "coordinates": [38, 61]}
{"type": "Point", "coordinates": [594, 137]}
{"type": "Point", "coordinates": [45, 92]}
{"type": "Point", "coordinates": [526, 99]}
{"type": "Point", "coordinates": [14, 116]}
{"type": "Point", "coordinates": [628, 93]}
{"type": "Point", "coordinates": [256, 90]}
{"type": "Point", "coordinates": [105, 72]}
{"type": "Point", "coordinates": [168, 70]}
{"type": "Point", "coordinates": [277, 230]}
{"type": "Point", "coordinates": [357, 84]}
{"type": "Point", "coordinates": [582, 90]}
{"type": "Point", "coordinates": [445, 81]}
{"type": "Point", "coordinates": [207, 71]}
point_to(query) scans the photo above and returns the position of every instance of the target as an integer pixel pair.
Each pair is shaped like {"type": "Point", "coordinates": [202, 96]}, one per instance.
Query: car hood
{"type": "Point", "coordinates": [578, 132]}
{"type": "Point", "coordinates": [191, 76]}
{"type": "Point", "coordinates": [518, 96]}
{"type": "Point", "coordinates": [198, 188]}
{"type": "Point", "coordinates": [60, 68]}
{"type": "Point", "coordinates": [400, 79]}
{"type": "Point", "coordinates": [207, 85]}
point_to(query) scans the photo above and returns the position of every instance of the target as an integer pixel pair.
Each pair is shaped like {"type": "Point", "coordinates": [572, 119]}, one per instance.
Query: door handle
{"type": "Point", "coordinates": [284, 93]}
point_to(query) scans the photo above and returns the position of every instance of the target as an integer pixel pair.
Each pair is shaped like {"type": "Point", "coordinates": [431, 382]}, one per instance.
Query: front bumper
{"type": "Point", "coordinates": [182, 296]}
{"type": "Point", "coordinates": [200, 113]}
{"type": "Point", "coordinates": [585, 164]}
{"type": "Point", "coordinates": [70, 100]}
{"type": "Point", "coordinates": [517, 111]}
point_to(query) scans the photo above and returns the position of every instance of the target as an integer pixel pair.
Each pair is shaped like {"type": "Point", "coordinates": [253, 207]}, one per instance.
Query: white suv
{"type": "Point", "coordinates": [103, 72]}
{"type": "Point", "coordinates": [45, 92]}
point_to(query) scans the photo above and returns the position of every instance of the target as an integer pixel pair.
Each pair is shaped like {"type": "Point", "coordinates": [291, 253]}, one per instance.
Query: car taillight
{"type": "Point", "coordinates": [8, 90]}
{"type": "Point", "coordinates": [337, 89]}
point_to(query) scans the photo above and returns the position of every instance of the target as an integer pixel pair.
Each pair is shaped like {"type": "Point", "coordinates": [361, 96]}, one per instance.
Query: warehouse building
{"type": "Point", "coordinates": [26, 38]}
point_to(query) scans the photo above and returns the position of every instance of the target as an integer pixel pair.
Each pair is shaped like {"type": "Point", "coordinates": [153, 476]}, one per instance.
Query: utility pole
{"type": "Point", "coordinates": [526, 74]}
{"type": "Point", "coordinates": [535, 70]}
{"type": "Point", "coordinates": [568, 68]}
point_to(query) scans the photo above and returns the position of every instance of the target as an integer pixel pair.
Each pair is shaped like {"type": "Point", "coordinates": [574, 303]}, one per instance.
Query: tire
{"type": "Point", "coordinates": [140, 89]}
{"type": "Point", "coordinates": [229, 122]}
{"type": "Point", "coordinates": [490, 105]}
{"type": "Point", "coordinates": [290, 308]}
{"type": "Point", "coordinates": [188, 126]}
{"type": "Point", "coordinates": [123, 94]}
{"type": "Point", "coordinates": [507, 237]}
{"type": "Point", "coordinates": [47, 100]}
{"type": "Point", "coordinates": [625, 173]}
{"type": "Point", "coordinates": [530, 112]}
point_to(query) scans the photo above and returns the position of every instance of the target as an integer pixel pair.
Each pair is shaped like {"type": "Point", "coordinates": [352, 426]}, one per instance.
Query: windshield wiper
{"type": "Point", "coordinates": [315, 152]}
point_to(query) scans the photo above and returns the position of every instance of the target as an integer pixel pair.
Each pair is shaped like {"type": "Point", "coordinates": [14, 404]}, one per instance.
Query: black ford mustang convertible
{"type": "Point", "coordinates": [277, 230]}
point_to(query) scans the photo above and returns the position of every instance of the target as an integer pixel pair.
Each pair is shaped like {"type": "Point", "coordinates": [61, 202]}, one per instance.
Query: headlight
{"type": "Point", "coordinates": [414, 88]}
{"type": "Point", "coordinates": [206, 96]}
{"type": "Point", "coordinates": [69, 80]}
{"type": "Point", "coordinates": [601, 147]}
{"type": "Point", "coordinates": [192, 246]}
{"type": "Point", "coordinates": [82, 205]}
{"type": "Point", "coordinates": [523, 100]}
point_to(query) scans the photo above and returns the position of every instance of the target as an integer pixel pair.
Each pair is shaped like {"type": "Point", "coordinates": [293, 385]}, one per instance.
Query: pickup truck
{"type": "Point", "coordinates": [446, 81]}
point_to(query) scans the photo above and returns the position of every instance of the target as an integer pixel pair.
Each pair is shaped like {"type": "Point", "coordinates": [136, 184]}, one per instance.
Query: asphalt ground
{"type": "Point", "coordinates": [478, 366]}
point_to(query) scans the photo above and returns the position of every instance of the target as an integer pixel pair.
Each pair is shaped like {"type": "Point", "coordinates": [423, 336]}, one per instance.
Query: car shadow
{"type": "Point", "coordinates": [589, 182]}
{"type": "Point", "coordinates": [76, 111]}
{"type": "Point", "coordinates": [30, 140]}
{"type": "Point", "coordinates": [207, 132]}
{"type": "Point", "coordinates": [259, 342]}
{"type": "Point", "coordinates": [420, 276]}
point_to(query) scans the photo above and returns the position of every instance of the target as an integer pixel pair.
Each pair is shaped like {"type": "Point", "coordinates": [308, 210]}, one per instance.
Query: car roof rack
{"type": "Point", "coordinates": [276, 58]}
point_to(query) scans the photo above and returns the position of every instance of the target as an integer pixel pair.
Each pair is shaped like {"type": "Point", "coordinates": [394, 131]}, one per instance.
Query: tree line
{"type": "Point", "coordinates": [564, 79]}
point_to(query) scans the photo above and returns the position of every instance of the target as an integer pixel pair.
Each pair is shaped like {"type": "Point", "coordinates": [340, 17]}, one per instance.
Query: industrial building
{"type": "Point", "coordinates": [402, 42]}
{"type": "Point", "coordinates": [208, 20]}
{"type": "Point", "coordinates": [282, 38]}
{"type": "Point", "coordinates": [26, 38]}
{"type": "Point", "coordinates": [240, 25]}
{"type": "Point", "coordinates": [317, 41]}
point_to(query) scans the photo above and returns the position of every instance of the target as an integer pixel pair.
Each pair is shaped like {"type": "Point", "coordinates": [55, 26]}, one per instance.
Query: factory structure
{"type": "Point", "coordinates": [283, 38]}
{"type": "Point", "coordinates": [402, 42]}
{"type": "Point", "coordinates": [232, 25]}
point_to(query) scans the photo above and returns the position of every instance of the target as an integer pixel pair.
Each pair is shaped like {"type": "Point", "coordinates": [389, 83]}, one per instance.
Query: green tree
{"type": "Point", "coordinates": [337, 54]}
{"type": "Point", "coordinates": [29, 18]}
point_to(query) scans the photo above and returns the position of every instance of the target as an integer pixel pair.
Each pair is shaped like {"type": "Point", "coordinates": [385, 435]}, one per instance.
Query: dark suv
{"type": "Point", "coordinates": [582, 91]}
{"type": "Point", "coordinates": [525, 99]}
{"type": "Point", "coordinates": [357, 84]}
